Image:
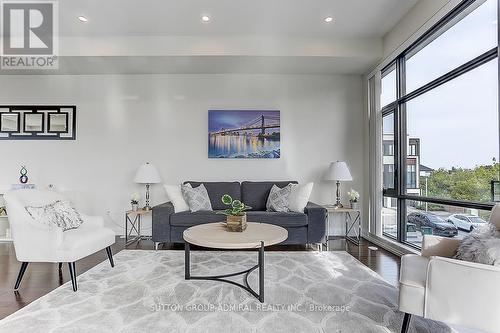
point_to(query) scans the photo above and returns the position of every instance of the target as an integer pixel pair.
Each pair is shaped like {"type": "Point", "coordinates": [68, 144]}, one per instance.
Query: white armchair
{"type": "Point", "coordinates": [36, 242]}
{"type": "Point", "coordinates": [456, 292]}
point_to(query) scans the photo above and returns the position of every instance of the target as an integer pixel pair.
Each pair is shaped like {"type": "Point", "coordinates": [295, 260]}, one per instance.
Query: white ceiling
{"type": "Point", "coordinates": [251, 36]}
{"type": "Point", "coordinates": [353, 18]}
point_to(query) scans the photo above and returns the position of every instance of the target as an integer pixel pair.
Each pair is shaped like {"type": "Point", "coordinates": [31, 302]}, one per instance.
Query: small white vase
{"type": "Point", "coordinates": [135, 207]}
{"type": "Point", "coordinates": [354, 205]}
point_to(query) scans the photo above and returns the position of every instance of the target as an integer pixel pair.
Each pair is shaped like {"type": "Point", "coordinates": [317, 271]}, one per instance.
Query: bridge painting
{"type": "Point", "coordinates": [244, 134]}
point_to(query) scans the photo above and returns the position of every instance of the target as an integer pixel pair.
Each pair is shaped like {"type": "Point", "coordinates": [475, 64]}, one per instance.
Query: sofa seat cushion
{"type": "Point", "coordinates": [189, 219]}
{"type": "Point", "coordinates": [217, 189]}
{"type": "Point", "coordinates": [79, 243]}
{"type": "Point", "coordinates": [287, 219]}
{"type": "Point", "coordinates": [255, 194]}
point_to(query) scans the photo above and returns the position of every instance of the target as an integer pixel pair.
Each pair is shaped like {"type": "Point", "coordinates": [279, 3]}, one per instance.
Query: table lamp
{"type": "Point", "coordinates": [338, 172]}
{"type": "Point", "coordinates": [147, 174]}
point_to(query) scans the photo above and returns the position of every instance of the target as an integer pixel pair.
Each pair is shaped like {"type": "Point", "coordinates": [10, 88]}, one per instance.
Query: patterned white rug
{"type": "Point", "coordinates": [146, 292]}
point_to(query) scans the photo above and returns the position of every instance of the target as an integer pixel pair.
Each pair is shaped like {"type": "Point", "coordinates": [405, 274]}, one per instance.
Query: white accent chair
{"type": "Point", "coordinates": [36, 242]}
{"type": "Point", "coordinates": [434, 286]}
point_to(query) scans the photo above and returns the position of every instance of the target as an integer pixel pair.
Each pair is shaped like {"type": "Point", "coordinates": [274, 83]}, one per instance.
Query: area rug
{"type": "Point", "coordinates": [146, 292]}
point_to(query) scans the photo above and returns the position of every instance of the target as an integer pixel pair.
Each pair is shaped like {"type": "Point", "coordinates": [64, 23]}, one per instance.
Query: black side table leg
{"type": "Point", "coordinates": [187, 255]}
{"type": "Point", "coordinates": [261, 272]}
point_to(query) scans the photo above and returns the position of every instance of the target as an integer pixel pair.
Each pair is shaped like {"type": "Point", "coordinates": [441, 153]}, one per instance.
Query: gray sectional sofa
{"type": "Point", "coordinates": [303, 228]}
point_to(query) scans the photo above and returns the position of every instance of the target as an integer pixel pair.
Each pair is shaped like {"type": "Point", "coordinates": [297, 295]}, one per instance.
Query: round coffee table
{"type": "Point", "coordinates": [215, 235]}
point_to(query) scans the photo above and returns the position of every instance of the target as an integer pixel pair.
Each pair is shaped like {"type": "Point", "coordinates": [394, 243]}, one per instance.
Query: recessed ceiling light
{"type": "Point", "coordinates": [205, 18]}
{"type": "Point", "coordinates": [328, 19]}
{"type": "Point", "coordinates": [83, 19]}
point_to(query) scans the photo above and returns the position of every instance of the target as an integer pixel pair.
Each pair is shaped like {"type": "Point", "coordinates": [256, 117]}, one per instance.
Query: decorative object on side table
{"type": "Point", "coordinates": [353, 198]}
{"type": "Point", "coordinates": [236, 216]}
{"type": "Point", "coordinates": [24, 178]}
{"type": "Point", "coordinates": [147, 174]}
{"type": "Point", "coordinates": [338, 172]}
{"type": "Point", "coordinates": [134, 201]}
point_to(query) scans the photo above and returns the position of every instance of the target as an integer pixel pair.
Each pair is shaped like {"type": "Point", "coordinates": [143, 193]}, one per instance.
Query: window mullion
{"type": "Point", "coordinates": [401, 147]}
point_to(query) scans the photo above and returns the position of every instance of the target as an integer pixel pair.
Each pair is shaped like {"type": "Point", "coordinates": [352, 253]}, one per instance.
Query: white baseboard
{"type": "Point", "coordinates": [391, 246]}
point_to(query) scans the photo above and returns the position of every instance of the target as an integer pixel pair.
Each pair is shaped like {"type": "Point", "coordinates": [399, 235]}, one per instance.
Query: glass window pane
{"type": "Point", "coordinates": [411, 176]}
{"type": "Point", "coordinates": [388, 151]}
{"type": "Point", "coordinates": [389, 217]}
{"type": "Point", "coordinates": [469, 38]}
{"type": "Point", "coordinates": [441, 220]}
{"type": "Point", "coordinates": [388, 91]}
{"type": "Point", "coordinates": [456, 126]}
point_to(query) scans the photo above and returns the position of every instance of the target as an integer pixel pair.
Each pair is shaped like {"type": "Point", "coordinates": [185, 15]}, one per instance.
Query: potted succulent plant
{"type": "Point", "coordinates": [134, 201]}
{"type": "Point", "coordinates": [236, 216]}
{"type": "Point", "coordinates": [353, 198]}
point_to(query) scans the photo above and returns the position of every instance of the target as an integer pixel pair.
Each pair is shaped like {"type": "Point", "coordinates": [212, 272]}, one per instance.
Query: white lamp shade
{"type": "Point", "coordinates": [147, 174]}
{"type": "Point", "coordinates": [338, 171]}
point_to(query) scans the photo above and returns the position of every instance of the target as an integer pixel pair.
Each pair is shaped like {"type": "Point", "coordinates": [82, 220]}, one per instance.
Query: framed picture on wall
{"type": "Point", "coordinates": [37, 122]}
{"type": "Point", "coordinates": [244, 134]}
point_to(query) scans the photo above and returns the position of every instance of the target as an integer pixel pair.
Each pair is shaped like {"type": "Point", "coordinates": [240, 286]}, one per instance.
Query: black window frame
{"type": "Point", "coordinates": [398, 107]}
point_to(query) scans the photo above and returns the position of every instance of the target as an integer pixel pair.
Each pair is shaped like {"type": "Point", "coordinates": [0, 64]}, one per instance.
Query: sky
{"type": "Point", "coordinates": [457, 122]}
{"type": "Point", "coordinates": [228, 119]}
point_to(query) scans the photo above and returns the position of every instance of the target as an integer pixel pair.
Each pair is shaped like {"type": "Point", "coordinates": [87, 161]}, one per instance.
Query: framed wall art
{"type": "Point", "coordinates": [244, 134]}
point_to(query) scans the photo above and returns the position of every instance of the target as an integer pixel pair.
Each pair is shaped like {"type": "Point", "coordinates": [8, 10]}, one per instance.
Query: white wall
{"type": "Point", "coordinates": [125, 120]}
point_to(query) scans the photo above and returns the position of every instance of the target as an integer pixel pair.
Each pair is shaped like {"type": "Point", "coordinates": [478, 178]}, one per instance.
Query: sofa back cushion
{"type": "Point", "coordinates": [255, 194]}
{"type": "Point", "coordinates": [217, 189]}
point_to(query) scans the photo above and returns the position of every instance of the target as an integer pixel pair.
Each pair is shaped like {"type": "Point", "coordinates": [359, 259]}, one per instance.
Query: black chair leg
{"type": "Point", "coordinates": [72, 272]}
{"type": "Point", "coordinates": [24, 265]}
{"type": "Point", "coordinates": [60, 266]}
{"type": "Point", "coordinates": [406, 323]}
{"type": "Point", "coordinates": [110, 256]}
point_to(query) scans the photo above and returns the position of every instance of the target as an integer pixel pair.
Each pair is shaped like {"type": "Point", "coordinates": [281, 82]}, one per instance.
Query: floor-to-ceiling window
{"type": "Point", "coordinates": [440, 128]}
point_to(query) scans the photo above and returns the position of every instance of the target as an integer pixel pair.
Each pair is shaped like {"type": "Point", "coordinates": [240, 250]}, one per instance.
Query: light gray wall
{"type": "Point", "coordinates": [125, 120]}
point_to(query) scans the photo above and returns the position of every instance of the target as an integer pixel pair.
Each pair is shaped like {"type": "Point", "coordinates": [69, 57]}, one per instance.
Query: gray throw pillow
{"type": "Point", "coordinates": [482, 246]}
{"type": "Point", "coordinates": [60, 213]}
{"type": "Point", "coordinates": [278, 200]}
{"type": "Point", "coordinates": [197, 198]}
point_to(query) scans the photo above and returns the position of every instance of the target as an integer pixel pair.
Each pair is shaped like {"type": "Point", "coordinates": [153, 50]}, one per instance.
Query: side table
{"type": "Point", "coordinates": [134, 219]}
{"type": "Point", "coordinates": [352, 218]}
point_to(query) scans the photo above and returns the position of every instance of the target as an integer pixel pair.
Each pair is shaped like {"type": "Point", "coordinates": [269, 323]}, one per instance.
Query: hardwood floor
{"type": "Point", "coordinates": [41, 278]}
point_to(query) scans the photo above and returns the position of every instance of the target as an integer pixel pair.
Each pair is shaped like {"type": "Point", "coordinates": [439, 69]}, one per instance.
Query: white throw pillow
{"type": "Point", "coordinates": [174, 194]}
{"type": "Point", "coordinates": [299, 197]}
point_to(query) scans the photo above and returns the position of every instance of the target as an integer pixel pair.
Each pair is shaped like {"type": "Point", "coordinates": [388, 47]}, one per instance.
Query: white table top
{"type": "Point", "coordinates": [215, 235]}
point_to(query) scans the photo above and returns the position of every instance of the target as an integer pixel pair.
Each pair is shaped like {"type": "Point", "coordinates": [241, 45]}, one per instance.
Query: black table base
{"type": "Point", "coordinates": [222, 278]}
